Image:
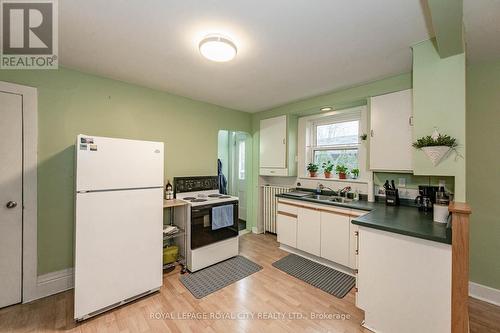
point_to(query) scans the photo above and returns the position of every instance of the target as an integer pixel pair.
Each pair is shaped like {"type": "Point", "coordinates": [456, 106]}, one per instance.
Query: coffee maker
{"type": "Point", "coordinates": [426, 197]}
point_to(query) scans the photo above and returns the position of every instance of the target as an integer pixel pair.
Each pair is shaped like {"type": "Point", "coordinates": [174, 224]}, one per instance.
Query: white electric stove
{"type": "Point", "coordinates": [207, 243]}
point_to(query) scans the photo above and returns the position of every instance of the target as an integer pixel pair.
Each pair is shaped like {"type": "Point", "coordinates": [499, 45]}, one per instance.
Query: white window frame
{"type": "Point", "coordinates": [335, 119]}
{"type": "Point", "coordinates": [307, 145]}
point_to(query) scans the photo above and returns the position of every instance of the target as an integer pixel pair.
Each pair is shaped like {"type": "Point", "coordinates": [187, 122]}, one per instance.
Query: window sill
{"type": "Point", "coordinates": [360, 181]}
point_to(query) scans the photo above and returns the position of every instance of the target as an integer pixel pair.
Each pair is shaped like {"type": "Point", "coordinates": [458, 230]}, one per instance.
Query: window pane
{"type": "Point", "coordinates": [241, 160]}
{"type": "Point", "coordinates": [347, 157]}
{"type": "Point", "coordinates": [337, 134]}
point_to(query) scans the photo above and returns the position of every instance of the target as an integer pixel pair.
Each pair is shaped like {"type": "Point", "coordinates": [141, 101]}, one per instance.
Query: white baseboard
{"type": "Point", "coordinates": [484, 293]}
{"type": "Point", "coordinates": [244, 231]}
{"type": "Point", "coordinates": [255, 230]}
{"type": "Point", "coordinates": [53, 283]}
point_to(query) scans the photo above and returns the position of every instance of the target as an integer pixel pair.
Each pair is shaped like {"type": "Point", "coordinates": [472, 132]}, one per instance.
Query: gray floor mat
{"type": "Point", "coordinates": [325, 278]}
{"type": "Point", "coordinates": [218, 276]}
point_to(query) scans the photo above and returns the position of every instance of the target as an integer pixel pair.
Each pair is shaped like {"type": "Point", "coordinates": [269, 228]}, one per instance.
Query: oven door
{"type": "Point", "coordinates": [201, 225]}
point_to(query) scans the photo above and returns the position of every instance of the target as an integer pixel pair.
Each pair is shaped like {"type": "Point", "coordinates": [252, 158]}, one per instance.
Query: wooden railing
{"type": "Point", "coordinates": [460, 267]}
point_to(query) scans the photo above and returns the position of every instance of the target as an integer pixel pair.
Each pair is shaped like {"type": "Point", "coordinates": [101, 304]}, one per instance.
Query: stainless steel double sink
{"type": "Point", "coordinates": [333, 198]}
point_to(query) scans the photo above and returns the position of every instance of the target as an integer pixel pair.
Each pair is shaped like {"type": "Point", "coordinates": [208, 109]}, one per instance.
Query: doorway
{"type": "Point", "coordinates": [18, 194]}
{"type": "Point", "coordinates": [234, 152]}
{"type": "Point", "coordinates": [11, 196]}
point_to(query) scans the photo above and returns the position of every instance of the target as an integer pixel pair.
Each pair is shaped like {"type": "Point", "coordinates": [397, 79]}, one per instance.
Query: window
{"type": "Point", "coordinates": [241, 160]}
{"type": "Point", "coordinates": [336, 139]}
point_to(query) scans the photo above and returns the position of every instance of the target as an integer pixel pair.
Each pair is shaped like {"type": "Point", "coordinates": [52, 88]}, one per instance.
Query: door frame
{"type": "Point", "coordinates": [29, 204]}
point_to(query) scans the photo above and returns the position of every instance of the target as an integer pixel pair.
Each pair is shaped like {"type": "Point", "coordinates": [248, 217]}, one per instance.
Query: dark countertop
{"type": "Point", "coordinates": [402, 220]}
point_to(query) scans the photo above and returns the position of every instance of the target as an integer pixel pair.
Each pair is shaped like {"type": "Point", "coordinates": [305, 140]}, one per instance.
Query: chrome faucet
{"type": "Point", "coordinates": [344, 190]}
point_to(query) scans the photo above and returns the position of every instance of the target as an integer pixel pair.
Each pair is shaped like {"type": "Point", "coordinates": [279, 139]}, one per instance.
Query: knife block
{"type": "Point", "coordinates": [392, 197]}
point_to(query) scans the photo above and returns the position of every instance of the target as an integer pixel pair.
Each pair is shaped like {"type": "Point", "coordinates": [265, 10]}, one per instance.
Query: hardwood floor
{"type": "Point", "coordinates": [265, 293]}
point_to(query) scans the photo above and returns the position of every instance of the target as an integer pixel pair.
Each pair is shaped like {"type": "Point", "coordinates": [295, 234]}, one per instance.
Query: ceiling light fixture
{"type": "Point", "coordinates": [217, 48]}
{"type": "Point", "coordinates": [326, 108]}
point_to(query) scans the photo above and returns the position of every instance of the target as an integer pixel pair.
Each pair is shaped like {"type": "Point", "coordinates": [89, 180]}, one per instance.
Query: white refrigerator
{"type": "Point", "coordinates": [118, 222]}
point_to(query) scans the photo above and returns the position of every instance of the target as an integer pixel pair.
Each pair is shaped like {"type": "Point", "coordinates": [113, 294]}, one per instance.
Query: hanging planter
{"type": "Point", "coordinates": [436, 153]}
{"type": "Point", "coordinates": [436, 146]}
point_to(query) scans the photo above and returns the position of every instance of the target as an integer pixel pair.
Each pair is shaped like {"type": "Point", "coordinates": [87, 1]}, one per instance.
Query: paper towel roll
{"type": "Point", "coordinates": [441, 213]}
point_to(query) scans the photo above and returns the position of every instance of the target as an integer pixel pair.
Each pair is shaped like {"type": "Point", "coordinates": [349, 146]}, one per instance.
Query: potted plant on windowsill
{"type": "Point", "coordinates": [313, 169]}
{"type": "Point", "coordinates": [342, 171]}
{"type": "Point", "coordinates": [436, 146]}
{"type": "Point", "coordinates": [327, 169]}
{"type": "Point", "coordinates": [355, 173]}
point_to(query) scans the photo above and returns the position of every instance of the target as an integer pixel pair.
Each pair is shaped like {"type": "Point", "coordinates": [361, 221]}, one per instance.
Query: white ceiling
{"type": "Point", "coordinates": [287, 50]}
{"type": "Point", "coordinates": [482, 29]}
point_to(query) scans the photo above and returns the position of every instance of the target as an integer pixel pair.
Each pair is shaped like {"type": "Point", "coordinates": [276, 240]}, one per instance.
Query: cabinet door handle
{"type": "Point", "coordinates": [371, 133]}
{"type": "Point", "coordinates": [284, 141]}
{"type": "Point", "coordinates": [410, 121]}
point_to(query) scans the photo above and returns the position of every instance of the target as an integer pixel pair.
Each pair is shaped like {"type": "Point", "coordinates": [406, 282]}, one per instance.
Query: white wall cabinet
{"type": "Point", "coordinates": [309, 231]}
{"type": "Point", "coordinates": [278, 146]}
{"type": "Point", "coordinates": [391, 131]}
{"type": "Point", "coordinates": [335, 237]}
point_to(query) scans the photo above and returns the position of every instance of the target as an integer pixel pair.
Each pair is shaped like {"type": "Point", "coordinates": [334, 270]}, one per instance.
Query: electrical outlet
{"type": "Point", "coordinates": [402, 182]}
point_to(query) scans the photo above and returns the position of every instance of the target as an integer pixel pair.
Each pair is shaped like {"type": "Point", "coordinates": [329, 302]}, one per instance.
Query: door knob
{"type": "Point", "coordinates": [11, 204]}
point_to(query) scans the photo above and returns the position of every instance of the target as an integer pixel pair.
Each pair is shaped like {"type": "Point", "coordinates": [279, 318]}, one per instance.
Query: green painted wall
{"type": "Point", "coordinates": [341, 99]}
{"type": "Point", "coordinates": [439, 101]}
{"type": "Point", "coordinates": [447, 18]}
{"type": "Point", "coordinates": [70, 102]}
{"type": "Point", "coordinates": [483, 171]}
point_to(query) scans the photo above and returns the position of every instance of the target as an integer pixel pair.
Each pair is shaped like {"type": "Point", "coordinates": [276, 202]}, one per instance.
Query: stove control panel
{"type": "Point", "coordinates": [194, 184]}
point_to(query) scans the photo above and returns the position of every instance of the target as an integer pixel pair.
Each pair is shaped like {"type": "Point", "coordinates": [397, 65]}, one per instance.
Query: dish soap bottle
{"type": "Point", "coordinates": [169, 192]}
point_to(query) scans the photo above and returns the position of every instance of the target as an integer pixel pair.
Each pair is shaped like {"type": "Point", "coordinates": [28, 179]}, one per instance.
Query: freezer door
{"type": "Point", "coordinates": [107, 163]}
{"type": "Point", "coordinates": [118, 247]}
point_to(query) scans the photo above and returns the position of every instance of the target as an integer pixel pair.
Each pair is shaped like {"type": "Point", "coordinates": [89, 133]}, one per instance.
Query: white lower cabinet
{"type": "Point", "coordinates": [309, 231]}
{"type": "Point", "coordinates": [335, 237]}
{"type": "Point", "coordinates": [404, 283]}
{"type": "Point", "coordinates": [353, 245]}
{"type": "Point", "coordinates": [286, 229]}
{"type": "Point", "coordinates": [320, 230]}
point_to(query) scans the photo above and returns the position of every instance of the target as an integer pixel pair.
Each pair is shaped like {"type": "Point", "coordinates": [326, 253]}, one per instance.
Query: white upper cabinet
{"type": "Point", "coordinates": [278, 143]}
{"type": "Point", "coordinates": [391, 131]}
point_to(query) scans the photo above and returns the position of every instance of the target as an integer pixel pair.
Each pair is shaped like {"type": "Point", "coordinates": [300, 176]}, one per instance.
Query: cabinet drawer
{"type": "Point", "coordinates": [282, 207]}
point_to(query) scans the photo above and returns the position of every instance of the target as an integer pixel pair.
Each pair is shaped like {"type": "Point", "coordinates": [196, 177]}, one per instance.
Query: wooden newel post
{"type": "Point", "coordinates": [459, 267]}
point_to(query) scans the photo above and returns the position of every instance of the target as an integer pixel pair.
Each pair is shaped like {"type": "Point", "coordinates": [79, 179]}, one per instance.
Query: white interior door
{"type": "Point", "coordinates": [10, 198]}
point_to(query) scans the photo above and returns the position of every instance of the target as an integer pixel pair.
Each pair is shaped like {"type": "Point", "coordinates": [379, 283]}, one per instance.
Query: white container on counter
{"type": "Point", "coordinates": [441, 213]}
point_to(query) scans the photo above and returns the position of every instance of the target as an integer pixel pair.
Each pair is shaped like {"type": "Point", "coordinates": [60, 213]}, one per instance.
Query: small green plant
{"type": "Point", "coordinates": [328, 167]}
{"type": "Point", "coordinates": [441, 140]}
{"type": "Point", "coordinates": [313, 169]}
{"type": "Point", "coordinates": [341, 169]}
{"type": "Point", "coordinates": [363, 136]}
{"type": "Point", "coordinates": [355, 172]}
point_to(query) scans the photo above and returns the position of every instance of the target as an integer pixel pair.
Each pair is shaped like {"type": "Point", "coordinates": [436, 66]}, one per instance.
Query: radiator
{"type": "Point", "coordinates": [270, 204]}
